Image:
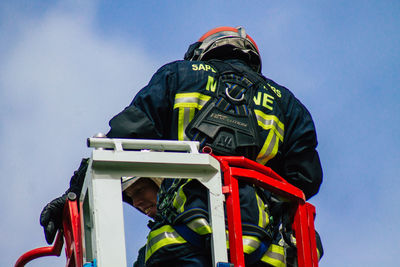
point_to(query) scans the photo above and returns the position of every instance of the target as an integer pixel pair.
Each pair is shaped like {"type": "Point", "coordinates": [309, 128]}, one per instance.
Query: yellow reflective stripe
{"type": "Point", "coordinates": [250, 243]}
{"type": "Point", "coordinates": [185, 116]}
{"type": "Point", "coordinates": [192, 95]}
{"type": "Point", "coordinates": [181, 128]}
{"type": "Point", "coordinates": [200, 226]}
{"type": "Point", "coordinates": [190, 100]}
{"type": "Point", "coordinates": [188, 103]}
{"type": "Point", "coordinates": [161, 237]}
{"type": "Point", "coordinates": [269, 149]}
{"type": "Point", "coordinates": [275, 256]}
{"type": "Point", "coordinates": [180, 198]}
{"type": "Point", "coordinates": [263, 219]}
{"type": "Point", "coordinates": [191, 114]}
{"type": "Point", "coordinates": [268, 122]}
{"type": "Point", "coordinates": [227, 238]}
{"type": "Point", "coordinates": [275, 134]}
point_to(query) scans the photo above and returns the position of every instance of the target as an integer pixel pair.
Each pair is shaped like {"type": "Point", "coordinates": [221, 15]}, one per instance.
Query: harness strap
{"type": "Point", "coordinates": [191, 236]}
{"type": "Point", "coordinates": [226, 123]}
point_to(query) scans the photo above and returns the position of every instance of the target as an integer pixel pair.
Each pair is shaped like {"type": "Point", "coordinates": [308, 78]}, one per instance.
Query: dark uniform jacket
{"type": "Point", "coordinates": [163, 108]}
{"type": "Point", "coordinates": [178, 90]}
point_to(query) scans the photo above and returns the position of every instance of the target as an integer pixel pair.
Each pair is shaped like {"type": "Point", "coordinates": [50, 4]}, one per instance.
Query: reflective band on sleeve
{"type": "Point", "coordinates": [190, 100]}
{"type": "Point", "coordinates": [188, 103]}
{"type": "Point", "coordinates": [161, 237]}
{"type": "Point", "coordinates": [276, 132]}
{"type": "Point", "coordinates": [263, 219]}
{"type": "Point", "coordinates": [250, 243]}
{"type": "Point", "coordinates": [275, 256]}
{"type": "Point", "coordinates": [200, 226]}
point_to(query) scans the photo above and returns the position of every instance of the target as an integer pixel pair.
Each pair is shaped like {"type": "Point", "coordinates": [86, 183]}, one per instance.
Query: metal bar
{"type": "Point", "coordinates": [313, 243]}
{"type": "Point", "coordinates": [234, 217]}
{"type": "Point", "coordinates": [138, 144]}
{"type": "Point", "coordinates": [302, 236]}
{"type": "Point", "coordinates": [72, 233]}
{"type": "Point", "coordinates": [235, 161]}
{"type": "Point", "coordinates": [278, 187]}
{"type": "Point", "coordinates": [116, 158]}
{"type": "Point", "coordinates": [54, 250]}
{"type": "Point", "coordinates": [217, 218]}
{"type": "Point", "coordinates": [106, 217]}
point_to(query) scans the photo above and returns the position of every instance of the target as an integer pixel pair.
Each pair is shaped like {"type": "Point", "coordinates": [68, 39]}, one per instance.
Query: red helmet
{"type": "Point", "coordinates": [226, 43]}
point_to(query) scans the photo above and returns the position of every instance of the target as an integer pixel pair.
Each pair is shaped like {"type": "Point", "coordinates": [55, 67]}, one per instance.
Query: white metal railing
{"type": "Point", "coordinates": [101, 198]}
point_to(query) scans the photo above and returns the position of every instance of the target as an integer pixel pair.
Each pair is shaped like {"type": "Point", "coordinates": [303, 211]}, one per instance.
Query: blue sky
{"type": "Point", "coordinates": [68, 66]}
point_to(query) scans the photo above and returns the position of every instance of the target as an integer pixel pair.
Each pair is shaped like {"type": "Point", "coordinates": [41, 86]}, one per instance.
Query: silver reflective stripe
{"type": "Point", "coordinates": [184, 119]}
{"type": "Point", "coordinates": [188, 103]}
{"type": "Point", "coordinates": [263, 216]}
{"type": "Point", "coordinates": [180, 198]}
{"type": "Point", "coordinates": [269, 121]}
{"type": "Point", "coordinates": [197, 223]}
{"type": "Point", "coordinates": [200, 226]}
{"type": "Point", "coordinates": [268, 148]}
{"type": "Point", "coordinates": [194, 100]}
{"type": "Point", "coordinates": [249, 242]}
{"type": "Point", "coordinates": [161, 236]}
{"type": "Point", "coordinates": [275, 255]}
{"type": "Point", "coordinates": [179, 201]}
{"type": "Point", "coordinates": [275, 130]}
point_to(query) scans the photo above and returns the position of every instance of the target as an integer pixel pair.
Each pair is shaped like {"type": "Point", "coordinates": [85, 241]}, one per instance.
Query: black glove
{"type": "Point", "coordinates": [51, 217]}
{"type": "Point", "coordinates": [52, 213]}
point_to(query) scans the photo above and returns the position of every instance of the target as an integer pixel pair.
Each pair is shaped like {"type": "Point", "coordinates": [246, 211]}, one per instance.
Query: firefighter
{"type": "Point", "coordinates": [217, 96]}
{"type": "Point", "coordinates": [141, 193]}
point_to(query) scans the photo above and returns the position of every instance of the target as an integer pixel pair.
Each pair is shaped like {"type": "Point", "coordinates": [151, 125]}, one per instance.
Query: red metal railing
{"type": "Point", "coordinates": [54, 250]}
{"type": "Point", "coordinates": [72, 236]}
{"type": "Point", "coordinates": [241, 168]}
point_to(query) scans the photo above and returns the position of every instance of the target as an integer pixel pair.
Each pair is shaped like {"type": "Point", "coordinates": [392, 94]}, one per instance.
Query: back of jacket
{"type": "Point", "coordinates": [178, 90]}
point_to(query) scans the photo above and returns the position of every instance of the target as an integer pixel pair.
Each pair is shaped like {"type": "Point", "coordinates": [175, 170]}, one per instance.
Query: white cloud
{"type": "Point", "coordinates": [60, 83]}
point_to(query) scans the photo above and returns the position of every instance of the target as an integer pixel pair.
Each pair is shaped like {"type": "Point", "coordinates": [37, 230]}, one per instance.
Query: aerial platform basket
{"type": "Point", "coordinates": [94, 233]}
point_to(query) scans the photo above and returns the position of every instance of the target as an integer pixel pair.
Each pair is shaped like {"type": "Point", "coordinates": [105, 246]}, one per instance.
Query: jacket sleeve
{"type": "Point", "coordinates": [76, 182]}
{"type": "Point", "coordinates": [149, 114]}
{"type": "Point", "coordinates": [301, 163]}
